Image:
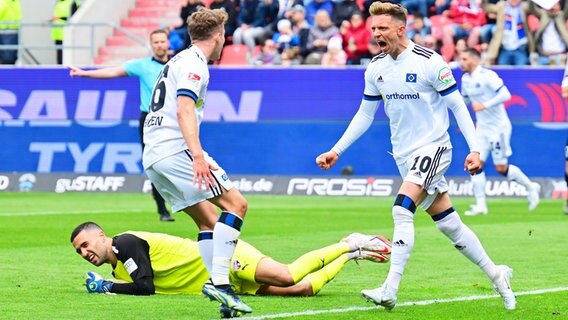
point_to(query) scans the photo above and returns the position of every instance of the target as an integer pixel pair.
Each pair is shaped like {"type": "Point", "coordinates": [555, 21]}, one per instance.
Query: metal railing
{"type": "Point", "coordinates": [91, 46]}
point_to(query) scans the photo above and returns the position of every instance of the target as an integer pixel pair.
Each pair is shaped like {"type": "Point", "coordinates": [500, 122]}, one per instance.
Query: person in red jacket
{"type": "Point", "coordinates": [468, 17]}
{"type": "Point", "coordinates": [356, 37]}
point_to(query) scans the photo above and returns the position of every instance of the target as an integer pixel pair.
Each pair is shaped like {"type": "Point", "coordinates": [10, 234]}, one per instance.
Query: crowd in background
{"type": "Point", "coordinates": [336, 32]}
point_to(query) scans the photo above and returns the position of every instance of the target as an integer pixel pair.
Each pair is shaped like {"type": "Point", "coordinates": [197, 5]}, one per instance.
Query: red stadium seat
{"type": "Point", "coordinates": [234, 54]}
{"type": "Point", "coordinates": [438, 23]}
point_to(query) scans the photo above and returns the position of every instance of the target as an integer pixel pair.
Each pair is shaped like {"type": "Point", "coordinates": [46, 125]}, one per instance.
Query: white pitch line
{"type": "Point", "coordinates": [45, 213]}
{"type": "Point", "coordinates": [404, 304]}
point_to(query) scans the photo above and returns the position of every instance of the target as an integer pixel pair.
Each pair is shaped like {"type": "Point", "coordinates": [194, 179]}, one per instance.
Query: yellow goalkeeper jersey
{"type": "Point", "coordinates": [174, 262]}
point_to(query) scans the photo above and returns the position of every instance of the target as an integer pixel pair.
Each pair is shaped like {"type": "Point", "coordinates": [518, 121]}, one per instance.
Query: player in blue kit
{"type": "Point", "coordinates": [487, 93]}
{"type": "Point", "coordinates": [417, 88]}
{"type": "Point", "coordinates": [147, 70]}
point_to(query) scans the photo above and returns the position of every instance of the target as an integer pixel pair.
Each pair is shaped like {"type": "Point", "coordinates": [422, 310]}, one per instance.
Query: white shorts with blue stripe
{"type": "Point", "coordinates": [426, 168]}
{"type": "Point", "coordinates": [173, 178]}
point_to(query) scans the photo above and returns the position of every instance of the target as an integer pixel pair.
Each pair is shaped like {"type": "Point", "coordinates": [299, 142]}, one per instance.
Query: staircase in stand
{"type": "Point", "coordinates": [145, 17]}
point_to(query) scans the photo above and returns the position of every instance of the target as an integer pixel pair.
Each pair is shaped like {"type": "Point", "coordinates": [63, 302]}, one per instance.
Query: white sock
{"type": "Point", "coordinates": [402, 244]}
{"type": "Point", "coordinates": [464, 240]}
{"type": "Point", "coordinates": [478, 182]}
{"type": "Point", "coordinates": [205, 244]}
{"type": "Point", "coordinates": [225, 237]}
{"type": "Point", "coordinates": [515, 174]}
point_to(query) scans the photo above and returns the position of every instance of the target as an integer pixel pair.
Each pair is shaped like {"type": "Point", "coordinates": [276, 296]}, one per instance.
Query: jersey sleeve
{"type": "Point", "coordinates": [371, 92]}
{"type": "Point", "coordinates": [492, 80]}
{"type": "Point", "coordinates": [463, 90]}
{"type": "Point", "coordinates": [134, 253]}
{"type": "Point", "coordinates": [133, 67]}
{"type": "Point", "coordinates": [190, 81]}
{"type": "Point", "coordinates": [441, 76]}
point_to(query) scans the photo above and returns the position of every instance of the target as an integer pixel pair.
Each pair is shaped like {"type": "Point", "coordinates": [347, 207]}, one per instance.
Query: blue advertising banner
{"type": "Point", "coordinates": [257, 121]}
{"type": "Point", "coordinates": [247, 95]}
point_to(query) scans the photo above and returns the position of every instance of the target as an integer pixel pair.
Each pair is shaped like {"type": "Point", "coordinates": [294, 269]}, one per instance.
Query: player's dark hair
{"type": "Point", "coordinates": [84, 226]}
{"type": "Point", "coordinates": [157, 31]}
{"type": "Point", "coordinates": [473, 52]}
{"type": "Point", "coordinates": [394, 10]}
{"type": "Point", "coordinates": [203, 23]}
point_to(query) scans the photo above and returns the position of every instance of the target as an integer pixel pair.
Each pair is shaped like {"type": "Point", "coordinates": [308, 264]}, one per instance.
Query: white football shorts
{"type": "Point", "coordinates": [173, 178]}
{"type": "Point", "coordinates": [496, 143]}
{"type": "Point", "coordinates": [426, 168]}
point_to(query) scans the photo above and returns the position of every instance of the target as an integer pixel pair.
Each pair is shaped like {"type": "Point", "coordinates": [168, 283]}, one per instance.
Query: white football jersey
{"type": "Point", "coordinates": [480, 86]}
{"type": "Point", "coordinates": [411, 88]}
{"type": "Point", "coordinates": [185, 74]}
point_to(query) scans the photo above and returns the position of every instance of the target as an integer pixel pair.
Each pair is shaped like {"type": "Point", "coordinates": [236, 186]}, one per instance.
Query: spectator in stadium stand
{"type": "Point", "coordinates": [285, 38]}
{"type": "Point", "coordinates": [231, 24]}
{"type": "Point", "coordinates": [356, 36]}
{"type": "Point", "coordinates": [301, 28]}
{"type": "Point", "coordinates": [487, 30]}
{"type": "Point", "coordinates": [10, 17]}
{"type": "Point", "coordinates": [551, 37]}
{"type": "Point", "coordinates": [62, 12]}
{"type": "Point", "coordinates": [318, 37]}
{"type": "Point", "coordinates": [189, 7]}
{"type": "Point", "coordinates": [425, 7]}
{"type": "Point", "coordinates": [512, 40]}
{"type": "Point", "coordinates": [417, 88]}
{"type": "Point", "coordinates": [440, 7]}
{"type": "Point", "coordinates": [316, 6]}
{"type": "Point", "coordinates": [165, 264]}
{"type": "Point", "coordinates": [418, 28]}
{"type": "Point", "coordinates": [285, 7]}
{"type": "Point", "coordinates": [268, 54]}
{"type": "Point", "coordinates": [335, 55]}
{"type": "Point", "coordinates": [458, 49]}
{"type": "Point", "coordinates": [256, 21]}
{"type": "Point", "coordinates": [147, 70]}
{"type": "Point", "coordinates": [431, 43]}
{"type": "Point", "coordinates": [343, 10]}
{"type": "Point", "coordinates": [467, 17]}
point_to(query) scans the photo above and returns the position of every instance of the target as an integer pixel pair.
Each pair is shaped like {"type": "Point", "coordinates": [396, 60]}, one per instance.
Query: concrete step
{"type": "Point", "coordinates": [122, 41]}
{"type": "Point", "coordinates": [142, 32]}
{"type": "Point", "coordinates": [154, 22]}
{"type": "Point", "coordinates": [154, 12]}
{"type": "Point", "coordinates": [158, 3]}
{"type": "Point", "coordinates": [116, 60]}
{"type": "Point", "coordinates": [123, 50]}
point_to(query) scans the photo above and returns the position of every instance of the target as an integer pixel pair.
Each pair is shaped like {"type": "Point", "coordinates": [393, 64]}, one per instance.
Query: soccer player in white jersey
{"type": "Point", "coordinates": [174, 160]}
{"type": "Point", "coordinates": [417, 88]}
{"type": "Point", "coordinates": [487, 93]}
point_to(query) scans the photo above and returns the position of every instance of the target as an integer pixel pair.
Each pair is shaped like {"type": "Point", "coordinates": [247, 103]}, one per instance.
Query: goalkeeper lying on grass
{"type": "Point", "coordinates": [149, 263]}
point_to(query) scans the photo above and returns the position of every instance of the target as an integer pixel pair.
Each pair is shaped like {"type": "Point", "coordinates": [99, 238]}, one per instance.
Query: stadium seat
{"type": "Point", "coordinates": [438, 22]}
{"type": "Point", "coordinates": [235, 54]}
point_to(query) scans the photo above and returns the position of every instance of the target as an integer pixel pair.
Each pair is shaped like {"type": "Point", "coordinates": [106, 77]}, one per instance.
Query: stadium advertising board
{"type": "Point", "coordinates": [51, 123]}
{"type": "Point", "coordinates": [356, 186]}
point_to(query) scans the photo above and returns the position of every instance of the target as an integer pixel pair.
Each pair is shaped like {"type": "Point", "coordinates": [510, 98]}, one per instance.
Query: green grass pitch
{"type": "Point", "coordinates": [41, 276]}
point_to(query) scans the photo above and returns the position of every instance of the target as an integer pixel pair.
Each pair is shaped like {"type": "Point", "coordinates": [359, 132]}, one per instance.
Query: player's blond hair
{"type": "Point", "coordinates": [203, 23]}
{"type": "Point", "coordinates": [394, 10]}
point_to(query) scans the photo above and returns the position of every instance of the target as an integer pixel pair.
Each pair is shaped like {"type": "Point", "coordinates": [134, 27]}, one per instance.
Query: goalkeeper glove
{"type": "Point", "coordinates": [96, 284]}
